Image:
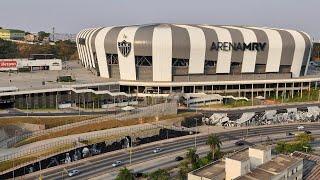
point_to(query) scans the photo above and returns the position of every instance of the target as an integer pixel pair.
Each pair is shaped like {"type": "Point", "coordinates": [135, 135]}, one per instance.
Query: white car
{"type": "Point", "coordinates": [156, 150]}
{"type": "Point", "coordinates": [117, 163]}
{"type": "Point", "coordinates": [73, 172]}
{"type": "Point", "coordinates": [300, 128]}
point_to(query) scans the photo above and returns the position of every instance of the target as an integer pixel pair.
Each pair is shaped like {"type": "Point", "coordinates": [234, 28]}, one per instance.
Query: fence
{"type": "Point", "coordinates": [155, 110]}
{"type": "Point", "coordinates": [75, 142]}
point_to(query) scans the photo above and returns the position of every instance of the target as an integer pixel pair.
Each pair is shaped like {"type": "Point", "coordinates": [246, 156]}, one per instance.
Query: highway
{"type": "Point", "coordinates": [102, 164]}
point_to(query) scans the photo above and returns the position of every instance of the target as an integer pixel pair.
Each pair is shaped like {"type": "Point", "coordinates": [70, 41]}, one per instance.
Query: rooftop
{"type": "Point", "coordinates": [240, 156]}
{"type": "Point", "coordinates": [271, 168]}
{"type": "Point", "coordinates": [211, 171]}
{"type": "Point", "coordinates": [311, 165]}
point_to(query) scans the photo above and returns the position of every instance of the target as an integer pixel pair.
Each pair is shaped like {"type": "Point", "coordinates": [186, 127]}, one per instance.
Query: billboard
{"type": "Point", "coordinates": [8, 64]}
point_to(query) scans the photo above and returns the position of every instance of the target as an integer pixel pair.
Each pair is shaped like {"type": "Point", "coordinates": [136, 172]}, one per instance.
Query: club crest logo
{"type": "Point", "coordinates": [124, 47]}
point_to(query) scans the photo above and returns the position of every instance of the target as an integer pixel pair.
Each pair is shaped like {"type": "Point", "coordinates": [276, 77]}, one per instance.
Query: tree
{"type": "Point", "coordinates": [125, 174]}
{"type": "Point", "coordinates": [160, 174]}
{"type": "Point", "coordinates": [8, 49]}
{"type": "Point", "coordinates": [304, 138]}
{"type": "Point", "coordinates": [42, 35]}
{"type": "Point", "coordinates": [192, 157]}
{"type": "Point", "coordinates": [183, 170]}
{"type": "Point", "coordinates": [214, 143]}
{"type": "Point", "coordinates": [280, 147]}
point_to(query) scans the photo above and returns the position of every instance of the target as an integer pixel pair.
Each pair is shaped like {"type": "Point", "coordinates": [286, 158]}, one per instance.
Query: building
{"type": "Point", "coordinates": [31, 38]}
{"type": "Point", "coordinates": [254, 163]}
{"type": "Point", "coordinates": [34, 63]}
{"type": "Point", "coordinates": [167, 58]}
{"type": "Point", "coordinates": [12, 34]}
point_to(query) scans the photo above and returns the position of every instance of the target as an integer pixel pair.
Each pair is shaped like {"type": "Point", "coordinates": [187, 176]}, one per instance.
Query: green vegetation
{"type": "Point", "coordinates": [301, 143]}
{"type": "Point", "coordinates": [125, 174]}
{"type": "Point", "coordinates": [8, 49]}
{"type": "Point", "coordinates": [311, 95]}
{"type": "Point", "coordinates": [193, 161]}
{"type": "Point", "coordinates": [215, 145]}
{"type": "Point", "coordinates": [65, 79]}
{"type": "Point", "coordinates": [65, 50]}
{"type": "Point", "coordinates": [43, 35]}
{"type": "Point", "coordinates": [160, 174]}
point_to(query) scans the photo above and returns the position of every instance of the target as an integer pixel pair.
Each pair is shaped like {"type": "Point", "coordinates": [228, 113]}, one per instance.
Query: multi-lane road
{"type": "Point", "coordinates": [102, 164]}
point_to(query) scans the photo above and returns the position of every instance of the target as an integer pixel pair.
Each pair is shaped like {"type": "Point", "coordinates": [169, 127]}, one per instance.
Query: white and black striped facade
{"type": "Point", "coordinates": [185, 53]}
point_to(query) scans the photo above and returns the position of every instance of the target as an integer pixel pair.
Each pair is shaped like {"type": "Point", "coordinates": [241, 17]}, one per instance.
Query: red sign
{"type": "Point", "coordinates": [8, 64]}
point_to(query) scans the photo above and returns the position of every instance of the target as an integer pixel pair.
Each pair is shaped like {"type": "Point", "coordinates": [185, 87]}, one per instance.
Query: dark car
{"type": "Point", "coordinates": [289, 134]}
{"type": "Point", "coordinates": [307, 132]}
{"type": "Point", "coordinates": [178, 158]}
{"type": "Point", "coordinates": [239, 143]}
{"type": "Point", "coordinates": [138, 174]}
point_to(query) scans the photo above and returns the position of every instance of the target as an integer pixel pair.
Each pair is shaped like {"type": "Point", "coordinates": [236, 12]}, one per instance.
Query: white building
{"type": "Point", "coordinates": [254, 163]}
{"type": "Point", "coordinates": [35, 63]}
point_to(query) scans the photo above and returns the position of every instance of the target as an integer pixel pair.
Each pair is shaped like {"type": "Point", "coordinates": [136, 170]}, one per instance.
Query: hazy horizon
{"type": "Point", "coordinates": [73, 15]}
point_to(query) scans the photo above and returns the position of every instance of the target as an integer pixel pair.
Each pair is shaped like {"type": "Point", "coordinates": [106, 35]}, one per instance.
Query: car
{"type": "Point", "coordinates": [307, 132]}
{"type": "Point", "coordinates": [156, 150]}
{"type": "Point", "coordinates": [73, 172]}
{"type": "Point", "coordinates": [116, 164]}
{"type": "Point", "coordinates": [239, 143]}
{"type": "Point", "coordinates": [289, 134]}
{"type": "Point", "coordinates": [138, 174]}
{"type": "Point", "coordinates": [179, 158]}
{"type": "Point", "coordinates": [300, 128]}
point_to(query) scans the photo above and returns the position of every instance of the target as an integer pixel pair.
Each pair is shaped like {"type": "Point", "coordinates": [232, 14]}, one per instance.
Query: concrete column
{"type": "Point", "coordinates": [170, 89]}
{"type": "Point", "coordinates": [182, 89]}
{"type": "Point", "coordinates": [158, 90]}
{"type": "Point", "coordinates": [225, 89]}
{"type": "Point", "coordinates": [57, 100]}
{"type": "Point", "coordinates": [252, 94]}
{"type": "Point", "coordinates": [212, 89]}
{"type": "Point", "coordinates": [292, 90]}
{"type": "Point", "coordinates": [239, 93]}
{"type": "Point", "coordinates": [203, 89]}
{"type": "Point", "coordinates": [285, 90]}
{"type": "Point", "coordinates": [194, 89]}
{"type": "Point", "coordinates": [277, 91]}
{"type": "Point", "coordinates": [265, 90]}
{"type": "Point", "coordinates": [301, 89]}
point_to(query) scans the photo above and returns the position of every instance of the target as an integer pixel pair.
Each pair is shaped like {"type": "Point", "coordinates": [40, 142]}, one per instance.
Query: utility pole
{"type": "Point", "coordinates": [53, 34]}
{"type": "Point", "coordinates": [195, 134]}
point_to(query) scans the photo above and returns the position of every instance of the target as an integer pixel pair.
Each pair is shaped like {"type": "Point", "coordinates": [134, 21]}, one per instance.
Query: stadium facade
{"type": "Point", "coordinates": [164, 60]}
{"type": "Point", "coordinates": [186, 53]}
{"type": "Point", "coordinates": [184, 58]}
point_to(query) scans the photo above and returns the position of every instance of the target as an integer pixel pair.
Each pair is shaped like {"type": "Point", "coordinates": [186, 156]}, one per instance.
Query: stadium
{"type": "Point", "coordinates": [167, 58]}
{"type": "Point", "coordinates": [203, 64]}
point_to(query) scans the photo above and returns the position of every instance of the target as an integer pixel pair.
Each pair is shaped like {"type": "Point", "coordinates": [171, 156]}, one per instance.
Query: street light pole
{"type": "Point", "coordinates": [195, 135]}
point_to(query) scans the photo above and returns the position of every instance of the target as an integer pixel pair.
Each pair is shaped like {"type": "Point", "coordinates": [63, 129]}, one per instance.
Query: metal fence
{"type": "Point", "coordinates": [154, 110]}
{"type": "Point", "coordinates": [76, 142]}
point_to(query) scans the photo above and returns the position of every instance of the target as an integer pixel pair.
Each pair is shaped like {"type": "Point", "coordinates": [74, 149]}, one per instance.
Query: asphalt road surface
{"type": "Point", "coordinates": [92, 168]}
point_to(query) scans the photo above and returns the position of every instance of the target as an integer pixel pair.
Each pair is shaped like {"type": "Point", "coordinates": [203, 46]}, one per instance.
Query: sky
{"type": "Point", "coordinates": [70, 16]}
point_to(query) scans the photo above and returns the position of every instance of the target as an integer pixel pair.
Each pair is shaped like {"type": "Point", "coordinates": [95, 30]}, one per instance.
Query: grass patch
{"type": "Point", "coordinates": [49, 122]}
